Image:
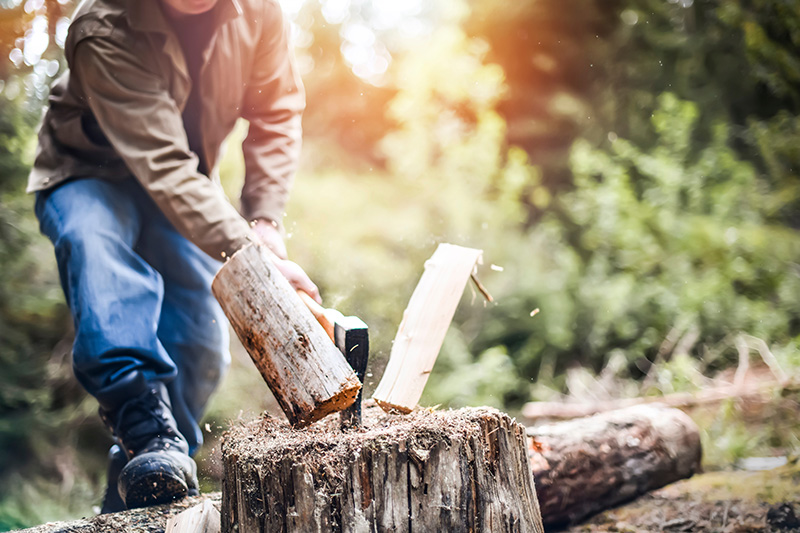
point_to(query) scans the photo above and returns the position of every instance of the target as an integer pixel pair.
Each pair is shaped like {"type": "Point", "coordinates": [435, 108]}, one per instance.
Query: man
{"type": "Point", "coordinates": [126, 189]}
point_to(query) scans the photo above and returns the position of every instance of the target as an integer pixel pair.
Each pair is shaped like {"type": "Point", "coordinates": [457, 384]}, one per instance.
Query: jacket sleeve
{"type": "Point", "coordinates": [144, 125]}
{"type": "Point", "coordinates": [274, 103]}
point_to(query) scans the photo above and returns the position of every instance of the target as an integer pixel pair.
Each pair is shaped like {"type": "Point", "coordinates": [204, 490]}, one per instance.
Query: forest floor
{"type": "Point", "coordinates": [730, 502]}
{"type": "Point", "coordinates": [733, 495]}
{"type": "Point", "coordinates": [726, 501]}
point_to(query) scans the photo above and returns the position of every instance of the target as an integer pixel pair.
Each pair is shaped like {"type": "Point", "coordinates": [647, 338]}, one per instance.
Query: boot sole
{"type": "Point", "coordinates": [154, 489]}
{"type": "Point", "coordinates": [152, 481]}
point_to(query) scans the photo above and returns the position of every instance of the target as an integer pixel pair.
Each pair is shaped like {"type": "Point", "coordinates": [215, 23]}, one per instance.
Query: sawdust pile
{"type": "Point", "coordinates": [326, 450]}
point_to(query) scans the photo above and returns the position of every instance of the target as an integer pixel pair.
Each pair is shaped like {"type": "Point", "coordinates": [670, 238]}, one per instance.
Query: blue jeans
{"type": "Point", "coordinates": [140, 295]}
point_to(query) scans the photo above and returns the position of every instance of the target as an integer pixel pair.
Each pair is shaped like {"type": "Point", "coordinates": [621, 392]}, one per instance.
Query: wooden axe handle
{"type": "Point", "coordinates": [326, 317]}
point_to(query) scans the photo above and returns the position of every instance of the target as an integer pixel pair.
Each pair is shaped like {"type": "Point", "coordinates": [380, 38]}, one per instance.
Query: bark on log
{"type": "Point", "coordinates": [454, 471]}
{"type": "Point", "coordinates": [308, 375]}
{"type": "Point", "coordinates": [586, 465]}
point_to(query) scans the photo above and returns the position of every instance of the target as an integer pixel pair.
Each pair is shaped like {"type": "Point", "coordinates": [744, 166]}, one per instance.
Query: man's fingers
{"type": "Point", "coordinates": [303, 283]}
{"type": "Point", "coordinates": [297, 278]}
{"type": "Point", "coordinates": [271, 237]}
{"type": "Point", "coordinates": [312, 291]}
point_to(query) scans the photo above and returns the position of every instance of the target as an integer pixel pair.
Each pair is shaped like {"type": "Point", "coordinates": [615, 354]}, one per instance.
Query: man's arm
{"type": "Point", "coordinates": [144, 125]}
{"type": "Point", "coordinates": [273, 104]}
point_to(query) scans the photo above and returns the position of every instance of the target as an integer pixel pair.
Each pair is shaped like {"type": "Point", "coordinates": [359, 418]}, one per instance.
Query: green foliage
{"type": "Point", "coordinates": [450, 178]}
{"type": "Point", "coordinates": [655, 240]}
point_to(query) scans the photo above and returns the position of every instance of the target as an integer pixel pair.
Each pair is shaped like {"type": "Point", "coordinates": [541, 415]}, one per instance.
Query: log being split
{"type": "Point", "coordinates": [589, 464]}
{"type": "Point", "coordinates": [454, 471]}
{"type": "Point", "coordinates": [308, 375]}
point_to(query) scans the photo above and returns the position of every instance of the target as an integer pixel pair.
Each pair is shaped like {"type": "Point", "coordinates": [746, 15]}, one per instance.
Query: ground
{"type": "Point", "coordinates": [729, 502]}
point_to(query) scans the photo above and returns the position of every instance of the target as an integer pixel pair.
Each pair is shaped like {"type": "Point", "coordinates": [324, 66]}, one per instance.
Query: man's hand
{"type": "Point", "coordinates": [270, 237]}
{"type": "Point", "coordinates": [298, 278]}
{"type": "Point", "coordinates": [268, 232]}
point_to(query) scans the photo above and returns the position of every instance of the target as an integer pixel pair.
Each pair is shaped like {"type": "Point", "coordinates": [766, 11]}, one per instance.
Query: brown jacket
{"type": "Point", "coordinates": [117, 113]}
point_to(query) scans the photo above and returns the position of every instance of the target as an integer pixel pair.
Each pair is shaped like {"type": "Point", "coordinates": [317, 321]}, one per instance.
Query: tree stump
{"type": "Point", "coordinates": [454, 471]}
{"type": "Point", "coordinates": [590, 464]}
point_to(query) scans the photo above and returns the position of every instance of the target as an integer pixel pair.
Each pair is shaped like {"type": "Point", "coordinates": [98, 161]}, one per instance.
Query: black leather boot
{"type": "Point", "coordinates": [112, 502]}
{"type": "Point", "coordinates": [159, 469]}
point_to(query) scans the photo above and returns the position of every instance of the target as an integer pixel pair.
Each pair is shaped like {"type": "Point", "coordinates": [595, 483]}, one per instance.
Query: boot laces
{"type": "Point", "coordinates": [142, 419]}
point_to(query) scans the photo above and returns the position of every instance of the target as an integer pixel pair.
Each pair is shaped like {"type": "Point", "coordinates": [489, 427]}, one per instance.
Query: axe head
{"type": "Point", "coordinates": [351, 336]}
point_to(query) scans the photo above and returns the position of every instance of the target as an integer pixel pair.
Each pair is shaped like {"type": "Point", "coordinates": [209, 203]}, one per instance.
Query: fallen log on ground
{"type": "Point", "coordinates": [565, 410]}
{"type": "Point", "coordinates": [144, 520]}
{"type": "Point", "coordinates": [590, 464]}
{"type": "Point", "coordinates": [455, 471]}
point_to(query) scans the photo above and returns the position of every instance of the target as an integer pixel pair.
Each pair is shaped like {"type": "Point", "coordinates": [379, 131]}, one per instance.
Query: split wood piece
{"type": "Point", "coordinates": [308, 375]}
{"type": "Point", "coordinates": [202, 518]}
{"type": "Point", "coordinates": [454, 471]}
{"type": "Point", "coordinates": [422, 330]}
{"type": "Point", "coordinates": [590, 464]}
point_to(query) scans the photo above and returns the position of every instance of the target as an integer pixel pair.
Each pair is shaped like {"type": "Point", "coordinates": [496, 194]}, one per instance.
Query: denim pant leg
{"type": "Point", "coordinates": [115, 296]}
{"type": "Point", "coordinates": [193, 328]}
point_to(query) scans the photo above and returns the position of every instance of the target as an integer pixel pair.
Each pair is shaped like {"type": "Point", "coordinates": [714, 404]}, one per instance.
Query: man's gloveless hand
{"type": "Point", "coordinates": [270, 237]}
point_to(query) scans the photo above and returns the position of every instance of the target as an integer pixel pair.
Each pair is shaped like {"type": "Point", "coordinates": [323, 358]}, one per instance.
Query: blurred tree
{"type": "Point", "coordinates": [556, 57]}
{"type": "Point", "coordinates": [43, 415]}
{"type": "Point", "coordinates": [593, 69]}
{"type": "Point", "coordinates": [359, 121]}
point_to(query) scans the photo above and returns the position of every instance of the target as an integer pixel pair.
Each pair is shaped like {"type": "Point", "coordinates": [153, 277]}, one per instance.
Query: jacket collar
{"type": "Point", "coordinates": [148, 16]}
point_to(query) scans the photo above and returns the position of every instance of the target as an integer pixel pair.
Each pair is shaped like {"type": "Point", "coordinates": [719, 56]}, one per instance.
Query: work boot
{"type": "Point", "coordinates": [159, 469]}
{"type": "Point", "coordinates": [112, 502]}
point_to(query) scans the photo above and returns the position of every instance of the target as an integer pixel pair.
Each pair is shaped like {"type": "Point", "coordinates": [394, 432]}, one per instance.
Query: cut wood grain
{"type": "Point", "coordinates": [202, 518]}
{"type": "Point", "coordinates": [308, 375]}
{"type": "Point", "coordinates": [422, 330]}
{"type": "Point", "coordinates": [590, 464]}
{"type": "Point", "coordinates": [455, 471]}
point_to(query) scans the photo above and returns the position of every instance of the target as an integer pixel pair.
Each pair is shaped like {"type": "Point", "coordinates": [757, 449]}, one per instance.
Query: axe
{"type": "Point", "coordinates": [351, 336]}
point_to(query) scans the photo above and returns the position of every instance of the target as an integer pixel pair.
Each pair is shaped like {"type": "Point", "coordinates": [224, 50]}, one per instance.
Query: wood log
{"type": "Point", "coordinates": [308, 375]}
{"type": "Point", "coordinates": [753, 391]}
{"type": "Point", "coordinates": [454, 471]}
{"type": "Point", "coordinates": [425, 321]}
{"type": "Point", "coordinates": [586, 465]}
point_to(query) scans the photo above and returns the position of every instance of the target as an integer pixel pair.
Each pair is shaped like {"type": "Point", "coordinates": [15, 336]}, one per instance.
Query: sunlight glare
{"type": "Point", "coordinates": [336, 11]}
{"type": "Point", "coordinates": [36, 41]}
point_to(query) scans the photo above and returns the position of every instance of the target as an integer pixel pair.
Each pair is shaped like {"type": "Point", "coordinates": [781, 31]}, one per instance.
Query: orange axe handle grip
{"type": "Point", "coordinates": [326, 317]}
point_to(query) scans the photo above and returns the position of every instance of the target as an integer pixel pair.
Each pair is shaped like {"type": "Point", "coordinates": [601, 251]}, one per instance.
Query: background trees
{"type": "Point", "coordinates": [629, 168]}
